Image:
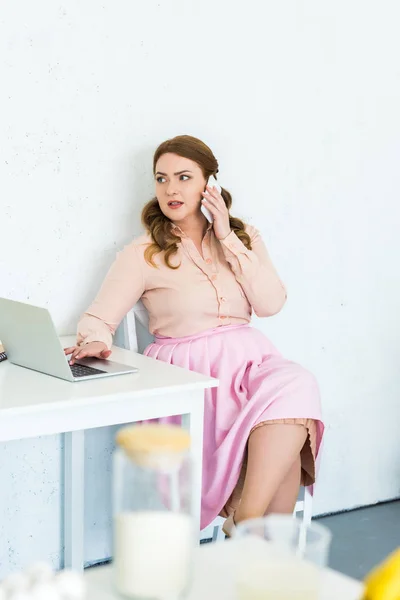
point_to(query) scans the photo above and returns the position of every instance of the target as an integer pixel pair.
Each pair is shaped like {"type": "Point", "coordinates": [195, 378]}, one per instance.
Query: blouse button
{"type": "Point", "coordinates": [209, 261]}
{"type": "Point", "coordinates": [223, 299]}
{"type": "Point", "coordinates": [213, 277]}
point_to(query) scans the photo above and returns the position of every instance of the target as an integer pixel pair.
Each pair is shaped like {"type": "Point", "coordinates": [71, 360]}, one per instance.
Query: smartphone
{"type": "Point", "coordinates": [211, 182]}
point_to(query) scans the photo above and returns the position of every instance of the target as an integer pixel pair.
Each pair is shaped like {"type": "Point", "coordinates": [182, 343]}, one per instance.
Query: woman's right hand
{"type": "Point", "coordinates": [91, 350]}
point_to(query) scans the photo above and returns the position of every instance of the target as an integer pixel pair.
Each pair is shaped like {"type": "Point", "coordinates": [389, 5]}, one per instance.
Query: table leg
{"type": "Point", "coordinates": [74, 466]}
{"type": "Point", "coordinates": [193, 422]}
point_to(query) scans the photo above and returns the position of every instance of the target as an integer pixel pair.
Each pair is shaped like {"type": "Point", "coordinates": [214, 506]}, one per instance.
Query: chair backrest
{"type": "Point", "coordinates": [135, 329]}
{"type": "Point", "coordinates": [141, 314]}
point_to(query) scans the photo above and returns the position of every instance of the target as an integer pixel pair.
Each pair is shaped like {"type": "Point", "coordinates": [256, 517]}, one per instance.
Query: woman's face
{"type": "Point", "coordinates": [179, 183]}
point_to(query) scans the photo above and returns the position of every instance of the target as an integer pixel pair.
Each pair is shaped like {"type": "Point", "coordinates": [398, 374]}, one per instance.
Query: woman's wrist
{"type": "Point", "coordinates": [221, 239]}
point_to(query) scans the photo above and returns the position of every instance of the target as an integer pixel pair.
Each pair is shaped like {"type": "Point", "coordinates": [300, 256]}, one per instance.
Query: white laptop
{"type": "Point", "coordinates": [30, 339]}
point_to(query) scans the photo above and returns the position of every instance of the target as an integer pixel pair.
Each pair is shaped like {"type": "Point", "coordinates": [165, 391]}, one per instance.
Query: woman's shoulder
{"type": "Point", "coordinates": [139, 243]}
{"type": "Point", "coordinates": [136, 247]}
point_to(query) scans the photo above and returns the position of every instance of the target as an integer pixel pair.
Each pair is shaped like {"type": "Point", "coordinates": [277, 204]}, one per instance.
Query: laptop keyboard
{"type": "Point", "coordinates": [83, 370]}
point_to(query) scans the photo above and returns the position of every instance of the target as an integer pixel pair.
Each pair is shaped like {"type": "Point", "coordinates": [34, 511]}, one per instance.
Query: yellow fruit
{"type": "Point", "coordinates": [383, 583]}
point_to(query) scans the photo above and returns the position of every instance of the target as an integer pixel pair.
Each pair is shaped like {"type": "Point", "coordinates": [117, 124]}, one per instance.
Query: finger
{"type": "Point", "coordinates": [105, 353]}
{"type": "Point", "coordinates": [69, 350]}
{"type": "Point", "coordinates": [216, 199]}
{"type": "Point", "coordinates": [211, 207]}
{"type": "Point", "coordinates": [210, 199]}
{"type": "Point", "coordinates": [79, 353]}
{"type": "Point", "coordinates": [215, 193]}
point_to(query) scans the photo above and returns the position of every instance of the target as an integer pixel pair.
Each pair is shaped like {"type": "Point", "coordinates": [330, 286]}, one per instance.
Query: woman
{"type": "Point", "coordinates": [200, 283]}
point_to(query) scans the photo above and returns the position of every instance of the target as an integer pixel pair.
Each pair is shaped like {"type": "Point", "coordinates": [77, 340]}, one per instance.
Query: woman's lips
{"type": "Point", "coordinates": [175, 204]}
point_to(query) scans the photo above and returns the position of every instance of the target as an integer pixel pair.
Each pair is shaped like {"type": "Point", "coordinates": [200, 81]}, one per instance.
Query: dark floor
{"type": "Point", "coordinates": [362, 538]}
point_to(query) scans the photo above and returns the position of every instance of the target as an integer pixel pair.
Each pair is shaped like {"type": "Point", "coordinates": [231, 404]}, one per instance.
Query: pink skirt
{"type": "Point", "coordinates": [257, 386]}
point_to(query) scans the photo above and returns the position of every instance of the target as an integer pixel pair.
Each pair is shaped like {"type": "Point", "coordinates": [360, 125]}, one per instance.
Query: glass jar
{"type": "Point", "coordinates": [154, 533]}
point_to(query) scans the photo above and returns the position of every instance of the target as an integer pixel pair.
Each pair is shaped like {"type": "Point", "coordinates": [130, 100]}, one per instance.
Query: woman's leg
{"type": "Point", "coordinates": [285, 498]}
{"type": "Point", "coordinates": [273, 469]}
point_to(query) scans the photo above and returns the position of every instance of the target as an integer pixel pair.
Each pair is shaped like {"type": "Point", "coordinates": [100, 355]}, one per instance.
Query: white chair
{"type": "Point", "coordinates": [135, 336]}
{"type": "Point", "coordinates": [214, 531]}
{"type": "Point", "coordinates": [305, 506]}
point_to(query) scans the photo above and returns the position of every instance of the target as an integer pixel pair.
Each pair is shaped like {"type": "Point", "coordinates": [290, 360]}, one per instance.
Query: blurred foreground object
{"type": "Point", "coordinates": [383, 583]}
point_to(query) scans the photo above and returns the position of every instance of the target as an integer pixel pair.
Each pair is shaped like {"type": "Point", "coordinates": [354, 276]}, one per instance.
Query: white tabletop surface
{"type": "Point", "coordinates": [23, 391]}
{"type": "Point", "coordinates": [215, 569]}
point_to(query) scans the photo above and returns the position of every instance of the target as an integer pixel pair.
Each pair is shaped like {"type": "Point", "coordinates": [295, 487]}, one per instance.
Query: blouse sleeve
{"type": "Point", "coordinates": [121, 289]}
{"type": "Point", "coordinates": [255, 272]}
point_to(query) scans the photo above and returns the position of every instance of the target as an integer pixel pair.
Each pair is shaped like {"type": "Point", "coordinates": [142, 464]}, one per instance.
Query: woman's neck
{"type": "Point", "coordinates": [194, 227]}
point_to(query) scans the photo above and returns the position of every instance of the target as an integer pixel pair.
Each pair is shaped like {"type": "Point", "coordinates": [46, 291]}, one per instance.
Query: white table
{"type": "Point", "coordinates": [34, 404]}
{"type": "Point", "coordinates": [214, 576]}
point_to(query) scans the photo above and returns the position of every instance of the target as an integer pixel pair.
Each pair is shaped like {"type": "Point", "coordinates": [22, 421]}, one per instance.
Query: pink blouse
{"type": "Point", "coordinates": [214, 290]}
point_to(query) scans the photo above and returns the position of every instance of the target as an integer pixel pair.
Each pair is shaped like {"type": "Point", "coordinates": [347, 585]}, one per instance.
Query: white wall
{"type": "Point", "coordinates": [299, 100]}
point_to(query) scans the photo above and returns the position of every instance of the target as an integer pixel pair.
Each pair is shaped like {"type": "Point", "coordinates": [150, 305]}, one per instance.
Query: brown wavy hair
{"type": "Point", "coordinates": [154, 220]}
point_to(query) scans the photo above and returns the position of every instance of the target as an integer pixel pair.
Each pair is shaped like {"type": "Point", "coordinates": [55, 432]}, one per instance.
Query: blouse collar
{"type": "Point", "coordinates": [178, 231]}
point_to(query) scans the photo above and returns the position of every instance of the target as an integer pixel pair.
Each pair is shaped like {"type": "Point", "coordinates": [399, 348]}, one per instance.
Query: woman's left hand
{"type": "Point", "coordinates": [216, 205]}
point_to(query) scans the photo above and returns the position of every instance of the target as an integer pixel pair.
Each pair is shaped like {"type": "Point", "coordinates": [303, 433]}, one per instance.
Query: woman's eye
{"type": "Point", "coordinates": [161, 179]}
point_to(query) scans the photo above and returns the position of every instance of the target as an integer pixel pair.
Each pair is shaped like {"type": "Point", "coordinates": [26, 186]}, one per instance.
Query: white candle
{"type": "Point", "coordinates": [152, 553]}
